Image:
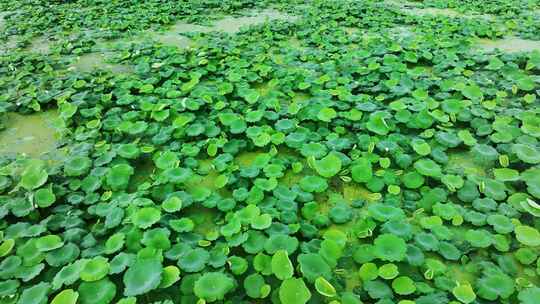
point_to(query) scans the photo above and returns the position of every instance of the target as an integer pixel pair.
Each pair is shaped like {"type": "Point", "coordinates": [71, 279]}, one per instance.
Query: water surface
{"type": "Point", "coordinates": [509, 44]}
{"type": "Point", "coordinates": [234, 24]}
{"type": "Point", "coordinates": [32, 134]}
{"type": "Point", "coordinates": [432, 11]}
{"type": "Point", "coordinates": [41, 45]}
{"type": "Point", "coordinates": [92, 61]}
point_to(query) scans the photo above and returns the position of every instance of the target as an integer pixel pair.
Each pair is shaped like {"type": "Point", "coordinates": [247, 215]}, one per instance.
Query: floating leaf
{"type": "Point", "coordinates": [97, 292]}
{"type": "Point", "coordinates": [34, 175]}
{"type": "Point", "coordinates": [68, 296]}
{"type": "Point", "coordinates": [324, 287]}
{"type": "Point", "coordinates": [294, 291]}
{"type": "Point", "coordinates": [328, 166]}
{"type": "Point", "coordinates": [281, 265]}
{"type": "Point", "coordinates": [144, 275]}
{"type": "Point", "coordinates": [213, 286]}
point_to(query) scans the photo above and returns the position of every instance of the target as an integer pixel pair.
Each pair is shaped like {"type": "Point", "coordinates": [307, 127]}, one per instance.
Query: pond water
{"type": "Point", "coordinates": [91, 61]}
{"type": "Point", "coordinates": [32, 134]}
{"type": "Point", "coordinates": [41, 45]}
{"type": "Point", "coordinates": [432, 11]}
{"type": "Point", "coordinates": [229, 24]}
{"type": "Point", "coordinates": [509, 44]}
{"type": "Point", "coordinates": [2, 20]}
{"type": "Point", "coordinates": [173, 38]}
{"type": "Point", "coordinates": [234, 24]}
{"type": "Point", "coordinates": [402, 31]}
{"type": "Point", "coordinates": [10, 44]}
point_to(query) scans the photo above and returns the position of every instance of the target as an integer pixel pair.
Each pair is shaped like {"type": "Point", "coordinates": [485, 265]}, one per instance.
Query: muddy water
{"type": "Point", "coordinates": [40, 45]}
{"type": "Point", "coordinates": [234, 24]}
{"type": "Point", "coordinates": [174, 39]}
{"type": "Point", "coordinates": [402, 31]}
{"type": "Point", "coordinates": [91, 61]}
{"type": "Point", "coordinates": [32, 134]}
{"type": "Point", "coordinates": [433, 11]}
{"type": "Point", "coordinates": [6, 46]}
{"type": "Point", "coordinates": [510, 45]}
{"type": "Point", "coordinates": [2, 20]}
{"type": "Point", "coordinates": [229, 24]}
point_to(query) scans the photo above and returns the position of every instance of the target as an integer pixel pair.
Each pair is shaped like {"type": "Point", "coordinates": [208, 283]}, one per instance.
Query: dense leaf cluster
{"type": "Point", "coordinates": [325, 160]}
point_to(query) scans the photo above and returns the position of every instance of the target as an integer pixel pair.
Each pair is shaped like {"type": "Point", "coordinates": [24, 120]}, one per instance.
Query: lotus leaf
{"type": "Point", "coordinates": [238, 265]}
{"type": "Point", "coordinates": [97, 292]}
{"type": "Point", "coordinates": [388, 271]}
{"type": "Point", "coordinates": [255, 286]}
{"type": "Point", "coordinates": [34, 175]}
{"type": "Point", "coordinates": [6, 247]}
{"type": "Point", "coordinates": [172, 204]}
{"type": "Point", "coordinates": [281, 265]}
{"type": "Point", "coordinates": [114, 243]}
{"type": "Point", "coordinates": [328, 166]}
{"type": "Point", "coordinates": [272, 151]}
{"type": "Point", "coordinates": [312, 266]}
{"type": "Point", "coordinates": [142, 276]}
{"type": "Point", "coordinates": [428, 167]}
{"type": "Point", "coordinates": [170, 275]}
{"type": "Point", "coordinates": [36, 294]}
{"type": "Point", "coordinates": [49, 242]}
{"type": "Point", "coordinates": [464, 293]}
{"type": "Point", "coordinates": [526, 153]}
{"type": "Point", "coordinates": [213, 286]}
{"type": "Point", "coordinates": [377, 123]}
{"type": "Point", "coordinates": [362, 170]}
{"type": "Point", "coordinates": [324, 287]}
{"type": "Point", "coordinates": [494, 285]}
{"type": "Point", "coordinates": [146, 217]}
{"type": "Point", "coordinates": [313, 184]}
{"type": "Point", "coordinates": [294, 291]}
{"type": "Point", "coordinates": [403, 286]}
{"type": "Point", "coordinates": [95, 269]}
{"type": "Point", "coordinates": [67, 296]}
{"type": "Point", "coordinates": [390, 248]}
{"type": "Point", "coordinates": [529, 295]}
{"type": "Point", "coordinates": [527, 235]}
{"type": "Point", "coordinates": [77, 165]}
{"type": "Point", "coordinates": [194, 260]}
{"type": "Point", "coordinates": [118, 176]}
{"type": "Point", "coordinates": [326, 114]}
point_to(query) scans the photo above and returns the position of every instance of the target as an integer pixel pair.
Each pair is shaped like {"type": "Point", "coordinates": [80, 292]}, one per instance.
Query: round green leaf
{"type": "Point", "coordinates": [143, 276]}
{"type": "Point", "coordinates": [294, 291]}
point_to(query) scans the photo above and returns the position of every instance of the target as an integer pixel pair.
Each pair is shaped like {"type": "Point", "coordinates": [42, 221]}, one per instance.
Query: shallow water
{"type": "Point", "coordinates": [234, 24]}
{"type": "Point", "coordinates": [174, 35]}
{"type": "Point", "coordinates": [433, 11]}
{"type": "Point", "coordinates": [10, 44]}
{"type": "Point", "coordinates": [510, 44]}
{"type": "Point", "coordinates": [40, 45]}
{"type": "Point", "coordinates": [174, 39]}
{"type": "Point", "coordinates": [182, 27]}
{"type": "Point", "coordinates": [464, 163]}
{"type": "Point", "coordinates": [402, 31]}
{"type": "Point", "coordinates": [401, 3]}
{"type": "Point", "coordinates": [92, 61]}
{"type": "Point", "coordinates": [32, 134]}
{"type": "Point", "coordinates": [2, 20]}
